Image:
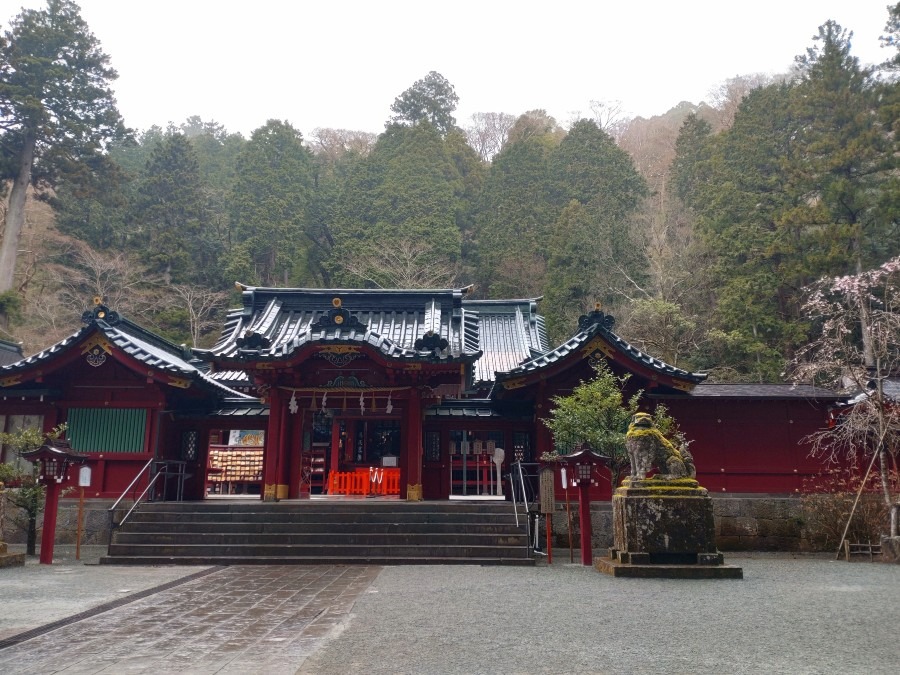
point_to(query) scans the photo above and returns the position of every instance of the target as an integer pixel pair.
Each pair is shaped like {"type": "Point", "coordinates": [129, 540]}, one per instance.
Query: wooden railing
{"type": "Point", "coordinates": [365, 481]}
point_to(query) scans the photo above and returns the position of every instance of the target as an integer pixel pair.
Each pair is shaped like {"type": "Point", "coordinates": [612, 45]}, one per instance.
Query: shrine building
{"type": "Point", "coordinates": [410, 394]}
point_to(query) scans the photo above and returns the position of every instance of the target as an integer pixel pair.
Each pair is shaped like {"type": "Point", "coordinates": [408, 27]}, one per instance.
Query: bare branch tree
{"type": "Point", "coordinates": [843, 308]}
{"type": "Point", "coordinates": [119, 280]}
{"type": "Point", "coordinates": [488, 133]}
{"type": "Point", "coordinates": [334, 143]}
{"type": "Point", "coordinates": [401, 264]}
{"type": "Point", "coordinates": [609, 116]}
{"type": "Point", "coordinates": [202, 306]}
{"type": "Point", "coordinates": [727, 97]}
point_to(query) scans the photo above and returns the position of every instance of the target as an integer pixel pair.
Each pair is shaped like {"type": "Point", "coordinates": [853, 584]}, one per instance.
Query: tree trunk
{"type": "Point", "coordinates": [868, 350]}
{"type": "Point", "coordinates": [31, 541]}
{"type": "Point", "coordinates": [15, 220]}
{"type": "Point", "coordinates": [884, 472]}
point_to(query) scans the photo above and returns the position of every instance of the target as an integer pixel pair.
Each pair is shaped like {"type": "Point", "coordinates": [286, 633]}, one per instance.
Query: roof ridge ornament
{"type": "Point", "coordinates": [253, 340]}
{"type": "Point", "coordinates": [100, 313]}
{"type": "Point", "coordinates": [596, 317]}
{"type": "Point", "coordinates": [337, 318]}
{"type": "Point", "coordinates": [431, 342]}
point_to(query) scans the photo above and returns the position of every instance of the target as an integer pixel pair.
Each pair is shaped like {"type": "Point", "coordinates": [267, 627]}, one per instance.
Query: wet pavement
{"type": "Point", "coordinates": [234, 620]}
{"type": "Point", "coordinates": [790, 614]}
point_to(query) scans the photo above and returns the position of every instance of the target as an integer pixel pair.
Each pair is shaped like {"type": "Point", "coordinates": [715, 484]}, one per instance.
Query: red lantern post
{"type": "Point", "coordinates": [581, 465]}
{"type": "Point", "coordinates": [55, 461]}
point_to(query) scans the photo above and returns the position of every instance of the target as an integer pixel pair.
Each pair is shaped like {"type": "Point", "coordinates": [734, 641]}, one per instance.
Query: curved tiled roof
{"type": "Point", "coordinates": [599, 324]}
{"type": "Point", "coordinates": [401, 324]}
{"type": "Point", "coordinates": [139, 343]}
{"type": "Point", "coordinates": [510, 333]}
{"type": "Point", "coordinates": [10, 352]}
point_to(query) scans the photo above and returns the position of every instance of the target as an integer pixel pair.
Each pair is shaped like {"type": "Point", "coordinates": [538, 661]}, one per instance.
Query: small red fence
{"type": "Point", "coordinates": [365, 481]}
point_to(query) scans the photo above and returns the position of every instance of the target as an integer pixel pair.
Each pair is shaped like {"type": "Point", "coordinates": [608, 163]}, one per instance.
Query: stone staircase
{"type": "Point", "coordinates": [321, 532]}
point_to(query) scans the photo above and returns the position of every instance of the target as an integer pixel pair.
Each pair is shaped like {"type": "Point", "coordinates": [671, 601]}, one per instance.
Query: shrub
{"type": "Point", "coordinates": [827, 502]}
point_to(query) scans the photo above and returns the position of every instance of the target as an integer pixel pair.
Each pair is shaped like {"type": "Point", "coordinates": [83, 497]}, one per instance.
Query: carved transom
{"type": "Point", "coordinates": [340, 357]}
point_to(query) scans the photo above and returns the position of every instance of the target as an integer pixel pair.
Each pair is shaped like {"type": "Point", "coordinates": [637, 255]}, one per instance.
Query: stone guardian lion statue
{"type": "Point", "coordinates": [648, 449]}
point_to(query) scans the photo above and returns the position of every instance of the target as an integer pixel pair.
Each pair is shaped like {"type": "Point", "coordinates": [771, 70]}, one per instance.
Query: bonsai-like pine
{"type": "Point", "coordinates": [21, 487]}
{"type": "Point", "coordinates": [597, 413]}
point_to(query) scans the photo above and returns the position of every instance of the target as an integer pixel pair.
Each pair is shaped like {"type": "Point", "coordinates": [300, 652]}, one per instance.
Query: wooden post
{"type": "Point", "coordinates": [79, 529]}
{"type": "Point", "coordinates": [584, 514]}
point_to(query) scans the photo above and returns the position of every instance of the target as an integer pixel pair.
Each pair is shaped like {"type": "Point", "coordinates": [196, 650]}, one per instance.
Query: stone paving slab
{"type": "Point", "coordinates": [264, 619]}
{"type": "Point", "coordinates": [35, 595]}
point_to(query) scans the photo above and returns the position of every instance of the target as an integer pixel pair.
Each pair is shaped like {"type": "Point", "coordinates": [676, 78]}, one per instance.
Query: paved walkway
{"type": "Point", "coordinates": [788, 615]}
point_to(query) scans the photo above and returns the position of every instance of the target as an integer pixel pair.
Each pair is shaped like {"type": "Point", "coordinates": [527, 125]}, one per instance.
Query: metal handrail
{"type": "Point", "coordinates": [131, 484]}
{"type": "Point", "coordinates": [137, 501]}
{"type": "Point", "coordinates": [113, 525]}
{"type": "Point", "coordinates": [517, 484]}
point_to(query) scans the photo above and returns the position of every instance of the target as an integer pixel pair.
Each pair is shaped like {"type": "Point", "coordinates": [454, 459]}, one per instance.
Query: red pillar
{"type": "Point", "coordinates": [48, 535]}
{"type": "Point", "coordinates": [414, 446]}
{"type": "Point", "coordinates": [272, 447]}
{"type": "Point", "coordinates": [282, 483]}
{"type": "Point", "coordinates": [584, 516]}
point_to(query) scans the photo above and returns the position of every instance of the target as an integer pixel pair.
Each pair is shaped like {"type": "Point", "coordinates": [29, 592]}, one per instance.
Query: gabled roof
{"type": "Point", "coordinates": [424, 325]}
{"type": "Point", "coordinates": [510, 332]}
{"type": "Point", "coordinates": [599, 325]}
{"type": "Point", "coordinates": [890, 388]}
{"type": "Point", "coordinates": [137, 342]}
{"type": "Point", "coordinates": [751, 391]}
{"type": "Point", "coordinates": [10, 352]}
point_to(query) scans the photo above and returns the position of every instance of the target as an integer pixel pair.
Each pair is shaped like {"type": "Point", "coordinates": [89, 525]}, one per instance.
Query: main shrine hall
{"type": "Point", "coordinates": [410, 394]}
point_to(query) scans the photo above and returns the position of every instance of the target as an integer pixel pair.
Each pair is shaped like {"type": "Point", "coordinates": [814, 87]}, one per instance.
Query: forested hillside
{"type": "Point", "coordinates": [698, 229]}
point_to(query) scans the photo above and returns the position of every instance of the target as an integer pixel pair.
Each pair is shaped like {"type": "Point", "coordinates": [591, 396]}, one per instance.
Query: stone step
{"type": "Point", "coordinates": [350, 532]}
{"type": "Point", "coordinates": [321, 506]}
{"type": "Point", "coordinates": [177, 517]}
{"type": "Point", "coordinates": [320, 539]}
{"type": "Point", "coordinates": [342, 550]}
{"type": "Point", "coordinates": [153, 527]}
{"type": "Point", "coordinates": [312, 560]}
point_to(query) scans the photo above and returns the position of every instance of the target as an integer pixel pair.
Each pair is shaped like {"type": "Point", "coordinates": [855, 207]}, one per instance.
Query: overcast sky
{"type": "Point", "coordinates": [342, 64]}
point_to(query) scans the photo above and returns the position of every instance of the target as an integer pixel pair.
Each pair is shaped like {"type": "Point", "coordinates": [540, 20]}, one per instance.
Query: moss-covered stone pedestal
{"type": "Point", "coordinates": [8, 559]}
{"type": "Point", "coordinates": [664, 529]}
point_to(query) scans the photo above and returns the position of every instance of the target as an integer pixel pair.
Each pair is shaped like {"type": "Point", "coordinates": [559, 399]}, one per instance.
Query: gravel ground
{"type": "Point", "coordinates": [788, 615]}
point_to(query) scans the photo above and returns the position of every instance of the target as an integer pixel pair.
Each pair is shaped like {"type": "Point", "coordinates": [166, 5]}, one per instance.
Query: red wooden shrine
{"type": "Point", "coordinates": [414, 393]}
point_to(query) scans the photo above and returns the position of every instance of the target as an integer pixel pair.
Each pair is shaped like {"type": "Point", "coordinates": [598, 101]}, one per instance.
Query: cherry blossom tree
{"type": "Point", "coordinates": [857, 350]}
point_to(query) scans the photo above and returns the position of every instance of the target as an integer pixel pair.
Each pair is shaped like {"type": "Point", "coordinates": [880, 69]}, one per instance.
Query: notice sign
{"type": "Point", "coordinates": [84, 476]}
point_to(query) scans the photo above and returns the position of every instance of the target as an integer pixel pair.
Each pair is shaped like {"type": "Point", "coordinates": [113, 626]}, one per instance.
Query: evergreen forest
{"type": "Point", "coordinates": [698, 230]}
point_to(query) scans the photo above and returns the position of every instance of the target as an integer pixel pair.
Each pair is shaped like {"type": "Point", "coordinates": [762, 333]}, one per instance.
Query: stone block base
{"type": "Point", "coordinates": [656, 571]}
{"type": "Point", "coordinates": [8, 559]}
{"type": "Point", "coordinates": [644, 558]}
{"type": "Point", "coordinates": [890, 549]}
{"type": "Point", "coordinates": [664, 529]}
{"type": "Point", "coordinates": [663, 522]}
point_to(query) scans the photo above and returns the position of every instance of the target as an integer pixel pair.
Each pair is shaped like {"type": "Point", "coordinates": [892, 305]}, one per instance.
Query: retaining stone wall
{"type": "Point", "coordinates": [743, 523]}
{"type": "Point", "coordinates": [96, 523]}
